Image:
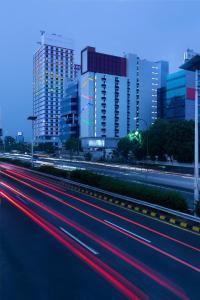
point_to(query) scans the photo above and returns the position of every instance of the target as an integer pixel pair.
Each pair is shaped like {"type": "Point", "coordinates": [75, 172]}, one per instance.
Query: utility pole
{"type": "Point", "coordinates": [196, 144]}
{"type": "Point", "coordinates": [147, 135]}
{"type": "Point", "coordinates": [193, 65]}
{"type": "Point", "coordinates": [32, 119]}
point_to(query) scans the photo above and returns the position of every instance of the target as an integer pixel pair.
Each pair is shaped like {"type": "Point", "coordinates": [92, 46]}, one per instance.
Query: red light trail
{"type": "Point", "coordinates": [128, 259]}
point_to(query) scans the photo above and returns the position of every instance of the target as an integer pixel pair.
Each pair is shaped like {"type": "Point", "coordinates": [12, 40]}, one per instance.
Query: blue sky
{"type": "Point", "coordinates": [153, 29]}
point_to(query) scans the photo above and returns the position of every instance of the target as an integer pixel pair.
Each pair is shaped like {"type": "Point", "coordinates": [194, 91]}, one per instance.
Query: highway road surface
{"type": "Point", "coordinates": [59, 244]}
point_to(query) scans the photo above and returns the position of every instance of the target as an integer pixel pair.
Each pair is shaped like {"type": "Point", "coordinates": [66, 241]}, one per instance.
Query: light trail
{"type": "Point", "coordinates": [118, 281]}
{"type": "Point", "coordinates": [116, 251]}
{"type": "Point", "coordinates": [61, 191]}
{"type": "Point", "coordinates": [109, 225]}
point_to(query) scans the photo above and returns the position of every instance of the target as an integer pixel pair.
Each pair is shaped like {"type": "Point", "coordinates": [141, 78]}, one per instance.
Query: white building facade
{"type": "Point", "coordinates": [145, 78]}
{"type": "Point", "coordinates": [118, 99]}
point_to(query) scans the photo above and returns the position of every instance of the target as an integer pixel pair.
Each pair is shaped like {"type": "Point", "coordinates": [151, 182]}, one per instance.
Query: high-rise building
{"type": "Point", "coordinates": [53, 64]}
{"type": "Point", "coordinates": [20, 137]}
{"type": "Point", "coordinates": [116, 94]}
{"type": "Point", "coordinates": [188, 54]}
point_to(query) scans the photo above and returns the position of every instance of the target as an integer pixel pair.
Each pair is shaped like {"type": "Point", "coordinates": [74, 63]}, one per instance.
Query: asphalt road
{"type": "Point", "coordinates": [57, 244]}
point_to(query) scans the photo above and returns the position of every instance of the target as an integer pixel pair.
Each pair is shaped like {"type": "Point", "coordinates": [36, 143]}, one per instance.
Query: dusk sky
{"type": "Point", "coordinates": [154, 30]}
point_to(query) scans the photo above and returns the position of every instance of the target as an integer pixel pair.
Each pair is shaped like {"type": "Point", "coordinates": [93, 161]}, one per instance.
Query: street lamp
{"type": "Point", "coordinates": [145, 122]}
{"type": "Point", "coordinates": [32, 118]}
{"type": "Point", "coordinates": [193, 65]}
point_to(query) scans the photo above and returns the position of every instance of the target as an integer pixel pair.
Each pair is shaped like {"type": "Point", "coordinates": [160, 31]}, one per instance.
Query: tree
{"type": "Point", "coordinates": [73, 145]}
{"type": "Point", "coordinates": [45, 147]}
{"type": "Point", "coordinates": [175, 138]}
{"type": "Point", "coordinates": [157, 138]}
{"type": "Point", "coordinates": [197, 208]}
{"type": "Point", "coordinates": [180, 140]}
{"type": "Point", "coordinates": [127, 146]}
{"type": "Point", "coordinates": [9, 140]}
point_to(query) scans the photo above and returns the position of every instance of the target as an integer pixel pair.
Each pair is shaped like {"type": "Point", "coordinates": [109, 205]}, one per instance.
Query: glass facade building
{"type": "Point", "coordinates": [176, 101]}
{"type": "Point", "coordinates": [69, 110]}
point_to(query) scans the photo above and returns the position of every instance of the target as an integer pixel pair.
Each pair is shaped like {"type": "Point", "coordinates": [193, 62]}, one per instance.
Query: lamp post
{"type": "Point", "coordinates": [32, 118]}
{"type": "Point", "coordinates": [193, 65]}
{"type": "Point", "coordinates": [147, 136]}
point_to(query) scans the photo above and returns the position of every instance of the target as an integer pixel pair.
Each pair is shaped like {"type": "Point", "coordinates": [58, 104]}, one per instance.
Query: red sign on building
{"type": "Point", "coordinates": [190, 93]}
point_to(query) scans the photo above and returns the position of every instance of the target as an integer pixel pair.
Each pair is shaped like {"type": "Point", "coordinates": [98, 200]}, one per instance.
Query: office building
{"type": "Point", "coordinates": [69, 111]}
{"type": "Point", "coordinates": [176, 100]}
{"type": "Point", "coordinates": [116, 94]}
{"type": "Point", "coordinates": [53, 64]}
{"type": "Point", "coordinates": [20, 137]}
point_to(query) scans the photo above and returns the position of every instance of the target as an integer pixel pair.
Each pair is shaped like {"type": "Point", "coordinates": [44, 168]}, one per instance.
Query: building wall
{"type": "Point", "coordinates": [92, 61]}
{"type": "Point", "coordinates": [69, 111]}
{"type": "Point", "coordinates": [103, 101]}
{"type": "Point", "coordinates": [133, 76]}
{"type": "Point", "coordinates": [145, 79]}
{"type": "Point", "coordinates": [177, 101]}
{"type": "Point", "coordinates": [190, 96]}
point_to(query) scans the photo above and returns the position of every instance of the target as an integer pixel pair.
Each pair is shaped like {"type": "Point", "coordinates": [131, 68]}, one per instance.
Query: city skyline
{"type": "Point", "coordinates": [156, 24]}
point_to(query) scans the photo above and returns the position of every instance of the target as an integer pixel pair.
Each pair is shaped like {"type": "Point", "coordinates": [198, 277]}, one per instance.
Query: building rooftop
{"type": "Point", "coordinates": [192, 64]}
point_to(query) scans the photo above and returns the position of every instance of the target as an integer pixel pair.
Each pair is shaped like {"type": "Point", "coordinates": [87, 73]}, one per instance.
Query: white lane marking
{"type": "Point", "coordinates": [134, 234]}
{"type": "Point", "coordinates": [79, 241]}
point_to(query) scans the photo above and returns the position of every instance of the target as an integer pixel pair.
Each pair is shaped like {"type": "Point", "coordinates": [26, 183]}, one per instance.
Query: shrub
{"type": "Point", "coordinates": [88, 156]}
{"type": "Point", "coordinates": [54, 171]}
{"type": "Point", "coordinates": [17, 162]}
{"type": "Point", "coordinates": [197, 208]}
{"type": "Point", "coordinates": [167, 199]}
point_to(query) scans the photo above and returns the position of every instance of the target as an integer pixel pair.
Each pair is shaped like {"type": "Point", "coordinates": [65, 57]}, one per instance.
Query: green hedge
{"type": "Point", "coordinates": [17, 162]}
{"type": "Point", "coordinates": [54, 171]}
{"type": "Point", "coordinates": [197, 208]}
{"type": "Point", "coordinates": [167, 199]}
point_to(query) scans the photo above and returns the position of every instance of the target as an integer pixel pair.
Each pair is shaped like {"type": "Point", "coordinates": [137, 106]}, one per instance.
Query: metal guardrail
{"type": "Point", "coordinates": [126, 198]}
